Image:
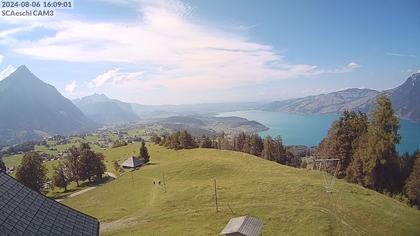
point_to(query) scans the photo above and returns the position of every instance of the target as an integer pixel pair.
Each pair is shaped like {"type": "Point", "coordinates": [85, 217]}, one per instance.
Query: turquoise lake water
{"type": "Point", "coordinates": [311, 129]}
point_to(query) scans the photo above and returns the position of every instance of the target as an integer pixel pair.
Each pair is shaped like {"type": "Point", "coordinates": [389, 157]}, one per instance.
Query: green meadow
{"type": "Point", "coordinates": [289, 201]}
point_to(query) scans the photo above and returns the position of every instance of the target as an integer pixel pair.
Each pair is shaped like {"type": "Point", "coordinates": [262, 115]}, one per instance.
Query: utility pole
{"type": "Point", "coordinates": [164, 182]}
{"type": "Point", "coordinates": [215, 195]}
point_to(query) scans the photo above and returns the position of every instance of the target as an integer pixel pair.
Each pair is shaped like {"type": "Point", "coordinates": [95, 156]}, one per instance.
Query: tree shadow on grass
{"type": "Point", "coordinates": [64, 194]}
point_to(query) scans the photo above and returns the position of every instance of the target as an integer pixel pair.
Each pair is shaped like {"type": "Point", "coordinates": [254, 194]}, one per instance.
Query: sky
{"type": "Point", "coordinates": [192, 51]}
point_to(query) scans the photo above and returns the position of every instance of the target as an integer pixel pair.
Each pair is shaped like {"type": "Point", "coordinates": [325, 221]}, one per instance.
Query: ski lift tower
{"type": "Point", "coordinates": [325, 165]}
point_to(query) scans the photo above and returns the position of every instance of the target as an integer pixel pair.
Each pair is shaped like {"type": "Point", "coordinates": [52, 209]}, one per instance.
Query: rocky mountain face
{"type": "Point", "coordinates": [104, 110]}
{"type": "Point", "coordinates": [30, 108]}
{"type": "Point", "coordinates": [405, 100]}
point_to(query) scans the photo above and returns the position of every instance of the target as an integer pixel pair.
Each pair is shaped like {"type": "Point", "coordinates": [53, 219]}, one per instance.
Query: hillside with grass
{"type": "Point", "coordinates": [290, 201]}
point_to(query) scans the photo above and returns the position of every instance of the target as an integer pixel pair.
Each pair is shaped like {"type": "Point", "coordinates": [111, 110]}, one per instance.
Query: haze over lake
{"type": "Point", "coordinates": [311, 129]}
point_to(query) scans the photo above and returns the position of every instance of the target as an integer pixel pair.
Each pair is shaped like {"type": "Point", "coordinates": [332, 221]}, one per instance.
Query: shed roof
{"type": "Point", "coordinates": [245, 225]}
{"type": "Point", "coordinates": [26, 212]}
{"type": "Point", "coordinates": [132, 162]}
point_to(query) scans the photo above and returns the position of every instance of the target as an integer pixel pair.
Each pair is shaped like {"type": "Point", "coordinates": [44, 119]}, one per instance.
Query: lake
{"type": "Point", "coordinates": [309, 130]}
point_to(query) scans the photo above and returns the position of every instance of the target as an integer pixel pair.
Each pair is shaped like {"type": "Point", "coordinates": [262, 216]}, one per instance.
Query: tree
{"type": "Point", "coordinates": [2, 165]}
{"type": "Point", "coordinates": [255, 144]}
{"type": "Point", "coordinates": [343, 136]}
{"type": "Point", "coordinates": [31, 172]}
{"type": "Point", "coordinates": [378, 155]}
{"type": "Point", "coordinates": [156, 139]}
{"type": "Point", "coordinates": [186, 141]}
{"type": "Point", "coordinates": [72, 164]}
{"type": "Point", "coordinates": [180, 140]}
{"type": "Point", "coordinates": [239, 142]}
{"type": "Point", "coordinates": [91, 163]}
{"type": "Point", "coordinates": [274, 150]}
{"type": "Point", "coordinates": [60, 178]}
{"type": "Point", "coordinates": [205, 142]}
{"type": "Point", "coordinates": [83, 163]}
{"type": "Point", "coordinates": [355, 172]}
{"type": "Point", "coordinates": [412, 186]}
{"type": "Point", "coordinates": [144, 153]}
{"type": "Point", "coordinates": [292, 160]}
{"type": "Point", "coordinates": [98, 165]}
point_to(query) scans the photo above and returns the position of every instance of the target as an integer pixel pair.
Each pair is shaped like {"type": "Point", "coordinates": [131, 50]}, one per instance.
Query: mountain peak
{"type": "Point", "coordinates": [23, 68]}
{"type": "Point", "coordinates": [97, 97]}
{"type": "Point", "coordinates": [22, 73]}
{"type": "Point", "coordinates": [413, 79]}
{"type": "Point", "coordinates": [32, 105]}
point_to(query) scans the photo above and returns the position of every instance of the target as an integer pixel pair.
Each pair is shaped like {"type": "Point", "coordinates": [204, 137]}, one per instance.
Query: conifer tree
{"type": "Point", "coordinates": [380, 160]}
{"type": "Point", "coordinates": [256, 145]}
{"type": "Point", "coordinates": [31, 172]}
{"type": "Point", "coordinates": [144, 153]}
{"type": "Point", "coordinates": [343, 137]}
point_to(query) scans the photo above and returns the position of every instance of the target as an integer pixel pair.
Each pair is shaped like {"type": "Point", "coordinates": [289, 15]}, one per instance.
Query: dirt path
{"type": "Point", "coordinates": [75, 194]}
{"type": "Point", "coordinates": [111, 175]}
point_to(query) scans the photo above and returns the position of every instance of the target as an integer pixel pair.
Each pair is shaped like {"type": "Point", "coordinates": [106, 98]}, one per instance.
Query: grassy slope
{"type": "Point", "coordinates": [288, 200]}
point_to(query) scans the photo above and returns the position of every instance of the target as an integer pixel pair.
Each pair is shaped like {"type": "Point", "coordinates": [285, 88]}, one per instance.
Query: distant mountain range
{"type": "Point", "coordinates": [331, 103]}
{"type": "Point", "coordinates": [30, 108]}
{"type": "Point", "coordinates": [104, 110]}
{"type": "Point", "coordinates": [405, 99]}
{"type": "Point", "coordinates": [161, 111]}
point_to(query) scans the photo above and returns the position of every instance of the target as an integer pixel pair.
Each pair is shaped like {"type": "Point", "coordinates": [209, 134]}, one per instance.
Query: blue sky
{"type": "Point", "coordinates": [173, 52]}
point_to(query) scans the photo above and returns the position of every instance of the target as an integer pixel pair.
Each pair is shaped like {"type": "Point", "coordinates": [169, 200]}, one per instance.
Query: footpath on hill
{"type": "Point", "coordinates": [110, 174]}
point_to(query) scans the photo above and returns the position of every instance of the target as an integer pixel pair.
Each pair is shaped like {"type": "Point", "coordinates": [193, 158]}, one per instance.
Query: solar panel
{"type": "Point", "coordinates": [26, 212]}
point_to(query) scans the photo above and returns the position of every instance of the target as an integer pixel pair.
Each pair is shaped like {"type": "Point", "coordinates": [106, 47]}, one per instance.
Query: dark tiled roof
{"type": "Point", "coordinates": [26, 212]}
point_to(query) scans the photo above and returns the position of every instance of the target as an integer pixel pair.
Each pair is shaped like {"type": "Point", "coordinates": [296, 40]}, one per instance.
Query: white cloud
{"type": "Point", "coordinates": [114, 77]}
{"type": "Point", "coordinates": [353, 65]}
{"type": "Point", "coordinates": [7, 71]}
{"type": "Point", "coordinates": [245, 27]}
{"type": "Point", "coordinates": [71, 87]}
{"type": "Point", "coordinates": [189, 55]}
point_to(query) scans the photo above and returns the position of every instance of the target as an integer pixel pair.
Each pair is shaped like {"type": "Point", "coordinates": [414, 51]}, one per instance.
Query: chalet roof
{"type": "Point", "coordinates": [132, 162]}
{"type": "Point", "coordinates": [245, 225]}
{"type": "Point", "coordinates": [26, 212]}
